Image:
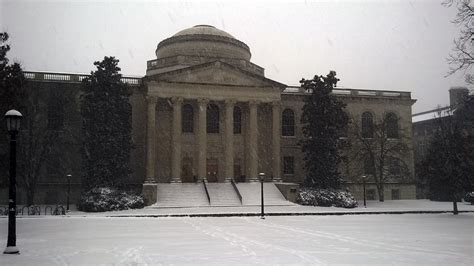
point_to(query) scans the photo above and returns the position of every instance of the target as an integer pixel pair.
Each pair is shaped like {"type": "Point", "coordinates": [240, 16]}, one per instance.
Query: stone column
{"type": "Point", "coordinates": [202, 139]}
{"type": "Point", "coordinates": [276, 133]}
{"type": "Point", "coordinates": [176, 141]}
{"type": "Point", "coordinates": [253, 142]}
{"type": "Point", "coordinates": [229, 140]}
{"type": "Point", "coordinates": [150, 139]}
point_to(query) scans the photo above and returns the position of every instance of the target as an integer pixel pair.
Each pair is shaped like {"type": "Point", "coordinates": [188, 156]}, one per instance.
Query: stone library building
{"type": "Point", "coordinates": [205, 119]}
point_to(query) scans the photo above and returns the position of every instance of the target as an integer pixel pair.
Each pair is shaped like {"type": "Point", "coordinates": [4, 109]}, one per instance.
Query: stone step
{"type": "Point", "coordinates": [223, 194]}
{"type": "Point", "coordinates": [251, 194]}
{"type": "Point", "coordinates": [181, 195]}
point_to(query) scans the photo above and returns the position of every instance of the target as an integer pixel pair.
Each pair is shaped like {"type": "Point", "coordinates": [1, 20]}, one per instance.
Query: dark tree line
{"type": "Point", "coordinates": [449, 165]}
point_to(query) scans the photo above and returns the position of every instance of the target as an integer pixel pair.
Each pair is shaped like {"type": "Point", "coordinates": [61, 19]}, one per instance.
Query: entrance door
{"type": "Point", "coordinates": [212, 170]}
{"type": "Point", "coordinates": [187, 171]}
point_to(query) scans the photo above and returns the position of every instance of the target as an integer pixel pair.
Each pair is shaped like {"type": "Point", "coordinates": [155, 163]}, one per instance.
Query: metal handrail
{"type": "Point", "coordinates": [236, 190]}
{"type": "Point", "coordinates": [207, 192]}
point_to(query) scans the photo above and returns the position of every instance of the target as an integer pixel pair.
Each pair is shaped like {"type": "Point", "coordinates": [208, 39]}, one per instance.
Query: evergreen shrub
{"type": "Point", "coordinates": [109, 199]}
{"type": "Point", "coordinates": [326, 198]}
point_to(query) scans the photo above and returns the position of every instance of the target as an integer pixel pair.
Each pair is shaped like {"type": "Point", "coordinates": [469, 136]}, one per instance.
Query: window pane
{"type": "Point", "coordinates": [367, 125]}
{"type": "Point", "coordinates": [288, 165]}
{"type": "Point", "coordinates": [187, 119]}
{"type": "Point", "coordinates": [288, 123]}
{"type": "Point", "coordinates": [392, 125]}
{"type": "Point", "coordinates": [55, 114]}
{"type": "Point", "coordinates": [369, 166]}
{"type": "Point", "coordinates": [237, 120]}
{"type": "Point", "coordinates": [212, 119]}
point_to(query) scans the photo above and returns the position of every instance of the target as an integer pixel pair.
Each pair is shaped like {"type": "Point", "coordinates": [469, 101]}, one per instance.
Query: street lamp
{"type": "Point", "coordinates": [68, 191]}
{"type": "Point", "coordinates": [261, 177]}
{"type": "Point", "coordinates": [12, 118]}
{"type": "Point", "coordinates": [364, 177]}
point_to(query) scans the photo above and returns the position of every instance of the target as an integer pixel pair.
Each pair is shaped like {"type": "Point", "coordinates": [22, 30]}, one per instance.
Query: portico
{"type": "Point", "coordinates": [222, 155]}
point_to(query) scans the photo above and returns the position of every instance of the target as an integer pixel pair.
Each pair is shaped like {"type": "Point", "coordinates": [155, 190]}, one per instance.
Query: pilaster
{"type": "Point", "coordinates": [151, 136]}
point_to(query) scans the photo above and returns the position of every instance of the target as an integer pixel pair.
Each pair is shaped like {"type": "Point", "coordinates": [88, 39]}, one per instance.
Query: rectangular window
{"type": "Point", "coordinates": [289, 165]}
{"type": "Point", "coordinates": [395, 194]}
{"type": "Point", "coordinates": [371, 194]}
{"type": "Point", "coordinates": [55, 115]}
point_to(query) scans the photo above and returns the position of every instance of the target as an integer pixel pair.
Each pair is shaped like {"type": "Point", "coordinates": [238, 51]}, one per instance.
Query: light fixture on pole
{"type": "Point", "coordinates": [364, 177]}
{"type": "Point", "coordinates": [261, 177]}
{"type": "Point", "coordinates": [68, 191]}
{"type": "Point", "coordinates": [13, 119]}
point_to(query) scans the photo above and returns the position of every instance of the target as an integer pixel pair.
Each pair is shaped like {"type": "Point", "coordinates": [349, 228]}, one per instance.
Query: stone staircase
{"type": "Point", "coordinates": [223, 194]}
{"type": "Point", "coordinates": [181, 195]}
{"type": "Point", "coordinates": [220, 194]}
{"type": "Point", "coordinates": [251, 194]}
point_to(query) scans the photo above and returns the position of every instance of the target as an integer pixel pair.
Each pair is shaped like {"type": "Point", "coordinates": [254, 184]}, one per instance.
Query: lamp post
{"type": "Point", "coordinates": [363, 185]}
{"type": "Point", "coordinates": [68, 191]}
{"type": "Point", "coordinates": [12, 118]}
{"type": "Point", "coordinates": [261, 177]}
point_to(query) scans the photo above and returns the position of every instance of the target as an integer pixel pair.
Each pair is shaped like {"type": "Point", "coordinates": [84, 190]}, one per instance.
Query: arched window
{"type": "Point", "coordinates": [212, 118]}
{"type": "Point", "coordinates": [288, 123]}
{"type": "Point", "coordinates": [187, 119]}
{"type": "Point", "coordinates": [367, 125]}
{"type": "Point", "coordinates": [237, 120]}
{"type": "Point", "coordinates": [391, 122]}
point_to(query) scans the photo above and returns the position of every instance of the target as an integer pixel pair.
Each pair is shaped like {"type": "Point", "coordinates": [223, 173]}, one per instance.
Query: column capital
{"type": "Point", "coordinates": [151, 99]}
{"type": "Point", "coordinates": [203, 101]}
{"type": "Point", "coordinates": [230, 102]}
{"type": "Point", "coordinates": [254, 102]}
{"type": "Point", "coordinates": [176, 100]}
{"type": "Point", "coordinates": [276, 103]}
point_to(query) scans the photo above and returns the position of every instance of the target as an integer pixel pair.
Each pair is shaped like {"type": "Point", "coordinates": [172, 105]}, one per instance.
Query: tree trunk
{"type": "Point", "coordinates": [455, 206]}
{"type": "Point", "coordinates": [380, 192]}
{"type": "Point", "coordinates": [30, 196]}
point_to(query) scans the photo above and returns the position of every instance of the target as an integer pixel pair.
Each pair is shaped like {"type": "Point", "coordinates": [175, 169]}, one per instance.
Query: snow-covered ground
{"type": "Point", "coordinates": [441, 239]}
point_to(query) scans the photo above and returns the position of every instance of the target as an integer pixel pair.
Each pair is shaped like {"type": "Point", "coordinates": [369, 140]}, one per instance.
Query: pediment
{"type": "Point", "coordinates": [218, 73]}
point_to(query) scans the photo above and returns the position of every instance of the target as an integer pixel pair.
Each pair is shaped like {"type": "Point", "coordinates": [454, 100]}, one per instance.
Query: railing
{"type": "Point", "coordinates": [236, 190]}
{"type": "Point", "coordinates": [207, 192]}
{"type": "Point", "coordinates": [73, 78]}
{"type": "Point", "coordinates": [35, 210]}
{"type": "Point", "coordinates": [355, 92]}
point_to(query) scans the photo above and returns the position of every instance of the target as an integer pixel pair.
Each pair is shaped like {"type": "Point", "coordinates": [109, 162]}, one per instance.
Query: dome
{"type": "Point", "coordinates": [204, 30]}
{"type": "Point", "coordinates": [203, 41]}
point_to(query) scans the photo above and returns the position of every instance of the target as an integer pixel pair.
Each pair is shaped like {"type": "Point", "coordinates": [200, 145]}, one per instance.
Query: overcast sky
{"type": "Point", "coordinates": [383, 45]}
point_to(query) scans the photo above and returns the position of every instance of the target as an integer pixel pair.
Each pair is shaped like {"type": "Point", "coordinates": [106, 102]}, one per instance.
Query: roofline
{"type": "Point", "coordinates": [276, 83]}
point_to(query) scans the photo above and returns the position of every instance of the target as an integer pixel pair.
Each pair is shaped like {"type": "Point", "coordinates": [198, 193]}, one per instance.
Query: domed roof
{"type": "Point", "coordinates": [203, 41]}
{"type": "Point", "coordinates": [204, 30]}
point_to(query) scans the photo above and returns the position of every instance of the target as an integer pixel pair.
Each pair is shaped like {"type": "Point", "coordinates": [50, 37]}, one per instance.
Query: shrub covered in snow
{"type": "Point", "coordinates": [326, 198]}
{"type": "Point", "coordinates": [469, 197]}
{"type": "Point", "coordinates": [109, 199]}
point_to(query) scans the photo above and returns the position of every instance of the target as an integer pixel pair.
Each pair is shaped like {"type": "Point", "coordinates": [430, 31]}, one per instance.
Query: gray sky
{"type": "Point", "coordinates": [384, 45]}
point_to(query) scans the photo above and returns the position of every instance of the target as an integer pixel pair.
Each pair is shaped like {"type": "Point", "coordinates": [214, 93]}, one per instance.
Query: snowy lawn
{"type": "Point", "coordinates": [441, 239]}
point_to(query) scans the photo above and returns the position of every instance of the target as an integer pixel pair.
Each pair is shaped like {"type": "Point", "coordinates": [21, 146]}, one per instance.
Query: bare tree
{"type": "Point", "coordinates": [462, 57]}
{"type": "Point", "coordinates": [380, 146]}
{"type": "Point", "coordinates": [42, 137]}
